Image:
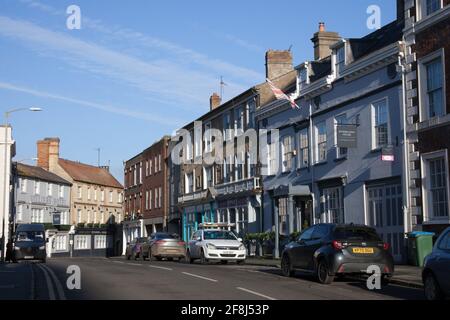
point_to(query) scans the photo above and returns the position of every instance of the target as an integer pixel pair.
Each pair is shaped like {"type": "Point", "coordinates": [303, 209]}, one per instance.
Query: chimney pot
{"type": "Point", "coordinates": [321, 26]}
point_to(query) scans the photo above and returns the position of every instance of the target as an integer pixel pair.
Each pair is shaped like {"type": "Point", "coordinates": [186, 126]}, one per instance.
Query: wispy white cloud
{"type": "Point", "coordinates": [162, 78]}
{"type": "Point", "coordinates": [103, 107]}
{"type": "Point", "coordinates": [140, 39]}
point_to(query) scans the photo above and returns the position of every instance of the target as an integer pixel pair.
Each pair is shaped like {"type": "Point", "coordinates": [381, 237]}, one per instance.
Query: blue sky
{"type": "Point", "coordinates": [140, 69]}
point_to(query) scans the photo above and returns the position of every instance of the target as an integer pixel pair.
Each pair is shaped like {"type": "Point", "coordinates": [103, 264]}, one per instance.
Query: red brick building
{"type": "Point", "coordinates": [427, 34]}
{"type": "Point", "coordinates": [146, 177]}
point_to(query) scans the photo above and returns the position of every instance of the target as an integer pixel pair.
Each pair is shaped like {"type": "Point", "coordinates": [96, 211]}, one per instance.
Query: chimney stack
{"type": "Point", "coordinates": [322, 41]}
{"type": "Point", "coordinates": [48, 153]}
{"type": "Point", "coordinates": [278, 63]}
{"type": "Point", "coordinates": [214, 101]}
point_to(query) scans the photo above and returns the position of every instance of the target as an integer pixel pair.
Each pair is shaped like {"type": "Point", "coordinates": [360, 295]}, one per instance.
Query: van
{"type": "Point", "coordinates": [29, 243]}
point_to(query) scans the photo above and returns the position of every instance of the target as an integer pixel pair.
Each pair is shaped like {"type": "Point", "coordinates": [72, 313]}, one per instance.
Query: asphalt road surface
{"type": "Point", "coordinates": [118, 278]}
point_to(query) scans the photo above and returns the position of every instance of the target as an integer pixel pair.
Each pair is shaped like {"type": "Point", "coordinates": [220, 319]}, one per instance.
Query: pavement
{"type": "Point", "coordinates": [118, 278]}
{"type": "Point", "coordinates": [404, 275]}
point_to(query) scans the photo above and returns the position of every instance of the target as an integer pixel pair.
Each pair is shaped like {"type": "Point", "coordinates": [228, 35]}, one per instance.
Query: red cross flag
{"type": "Point", "coordinates": [280, 95]}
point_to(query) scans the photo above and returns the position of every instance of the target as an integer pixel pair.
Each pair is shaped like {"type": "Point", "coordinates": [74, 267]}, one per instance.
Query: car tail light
{"type": "Point", "coordinates": [341, 269]}
{"type": "Point", "coordinates": [386, 269]}
{"type": "Point", "coordinates": [337, 245]}
{"type": "Point", "coordinates": [181, 243]}
{"type": "Point", "coordinates": [386, 246]}
{"type": "Point", "coordinates": [160, 241]}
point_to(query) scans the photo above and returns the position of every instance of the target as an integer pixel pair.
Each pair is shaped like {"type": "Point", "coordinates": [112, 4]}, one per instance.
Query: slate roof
{"type": "Point", "coordinates": [39, 173]}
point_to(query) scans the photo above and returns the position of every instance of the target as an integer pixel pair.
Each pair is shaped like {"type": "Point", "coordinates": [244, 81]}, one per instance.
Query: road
{"type": "Point", "coordinates": [117, 278]}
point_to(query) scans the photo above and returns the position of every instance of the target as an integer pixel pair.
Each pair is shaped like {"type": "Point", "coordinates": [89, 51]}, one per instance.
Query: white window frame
{"type": "Point", "coordinates": [160, 198]}
{"type": "Point", "coordinates": [150, 199]}
{"type": "Point", "coordinates": [61, 191]}
{"type": "Point", "coordinates": [422, 83]}
{"type": "Point", "coordinates": [421, 9]}
{"type": "Point", "coordinates": [100, 241]}
{"type": "Point", "coordinates": [317, 143]}
{"type": "Point", "coordinates": [375, 145]}
{"type": "Point", "coordinates": [339, 66]}
{"type": "Point", "coordinates": [19, 216]}
{"type": "Point", "coordinates": [302, 148]}
{"type": "Point", "coordinates": [226, 121]}
{"type": "Point", "coordinates": [49, 189]}
{"type": "Point", "coordinates": [23, 185]}
{"type": "Point", "coordinates": [285, 154]}
{"type": "Point", "coordinates": [424, 158]}
{"type": "Point", "coordinates": [102, 195]}
{"type": "Point", "coordinates": [272, 155]}
{"type": "Point", "coordinates": [79, 215]}
{"type": "Point", "coordinates": [82, 242]}
{"type": "Point", "coordinates": [110, 196]}
{"type": "Point", "coordinates": [159, 162]}
{"type": "Point", "coordinates": [80, 192]}
{"type": "Point", "coordinates": [238, 121]}
{"type": "Point", "coordinates": [150, 167]}
{"type": "Point", "coordinates": [188, 183]}
{"type": "Point", "coordinates": [37, 187]}
{"type": "Point", "coordinates": [156, 198]}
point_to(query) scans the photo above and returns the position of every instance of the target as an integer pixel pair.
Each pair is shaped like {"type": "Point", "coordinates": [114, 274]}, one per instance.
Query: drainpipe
{"type": "Point", "coordinates": [405, 173]}
{"type": "Point", "coordinates": [311, 164]}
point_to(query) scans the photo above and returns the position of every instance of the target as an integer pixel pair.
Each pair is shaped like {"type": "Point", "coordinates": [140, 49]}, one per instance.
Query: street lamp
{"type": "Point", "coordinates": [5, 173]}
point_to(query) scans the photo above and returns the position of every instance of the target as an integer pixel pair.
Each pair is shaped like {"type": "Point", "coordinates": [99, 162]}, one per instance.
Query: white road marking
{"type": "Point", "coordinates": [200, 277]}
{"type": "Point", "coordinates": [58, 285]}
{"type": "Point", "coordinates": [256, 293]}
{"type": "Point", "coordinates": [51, 291]}
{"type": "Point", "coordinates": [118, 262]}
{"type": "Point", "coordinates": [163, 268]}
{"type": "Point", "coordinates": [134, 264]}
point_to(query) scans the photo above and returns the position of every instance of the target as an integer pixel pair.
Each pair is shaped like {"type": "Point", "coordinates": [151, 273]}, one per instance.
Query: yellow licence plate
{"type": "Point", "coordinates": [363, 250]}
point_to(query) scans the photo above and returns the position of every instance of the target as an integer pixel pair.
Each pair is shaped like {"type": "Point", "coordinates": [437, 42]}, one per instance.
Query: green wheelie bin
{"type": "Point", "coordinates": [420, 244]}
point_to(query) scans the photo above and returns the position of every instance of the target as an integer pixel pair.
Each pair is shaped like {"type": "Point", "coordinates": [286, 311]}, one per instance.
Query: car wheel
{"type": "Point", "coordinates": [158, 258]}
{"type": "Point", "coordinates": [43, 260]}
{"type": "Point", "coordinates": [323, 273]}
{"type": "Point", "coordinates": [143, 257]}
{"type": "Point", "coordinates": [286, 267]}
{"type": "Point", "coordinates": [223, 262]}
{"type": "Point", "coordinates": [169, 259]}
{"type": "Point", "coordinates": [203, 259]}
{"type": "Point", "coordinates": [188, 257]}
{"type": "Point", "coordinates": [431, 288]}
{"type": "Point", "coordinates": [241, 262]}
{"type": "Point", "coordinates": [128, 257]}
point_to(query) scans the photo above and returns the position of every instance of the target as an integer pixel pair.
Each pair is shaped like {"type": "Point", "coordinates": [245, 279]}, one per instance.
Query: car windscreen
{"type": "Point", "coordinates": [30, 236]}
{"type": "Point", "coordinates": [160, 236]}
{"type": "Point", "coordinates": [363, 234]}
{"type": "Point", "coordinates": [218, 235]}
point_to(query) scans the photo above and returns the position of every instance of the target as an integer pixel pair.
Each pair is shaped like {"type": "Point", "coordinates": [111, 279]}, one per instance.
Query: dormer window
{"type": "Point", "coordinates": [303, 77]}
{"type": "Point", "coordinates": [428, 7]}
{"type": "Point", "coordinates": [339, 59]}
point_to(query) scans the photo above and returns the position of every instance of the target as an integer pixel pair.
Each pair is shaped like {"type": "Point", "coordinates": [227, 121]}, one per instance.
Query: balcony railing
{"type": "Point", "coordinates": [238, 186]}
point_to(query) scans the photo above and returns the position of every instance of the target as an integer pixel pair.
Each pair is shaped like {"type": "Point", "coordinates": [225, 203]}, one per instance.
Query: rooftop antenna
{"type": "Point", "coordinates": [290, 47]}
{"type": "Point", "coordinates": [98, 156]}
{"type": "Point", "coordinates": [222, 85]}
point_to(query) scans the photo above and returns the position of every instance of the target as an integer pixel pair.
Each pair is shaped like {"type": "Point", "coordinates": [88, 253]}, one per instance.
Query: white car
{"type": "Point", "coordinates": [215, 245]}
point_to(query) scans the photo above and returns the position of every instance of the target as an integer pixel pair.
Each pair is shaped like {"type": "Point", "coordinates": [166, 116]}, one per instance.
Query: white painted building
{"type": "Point", "coordinates": [7, 152]}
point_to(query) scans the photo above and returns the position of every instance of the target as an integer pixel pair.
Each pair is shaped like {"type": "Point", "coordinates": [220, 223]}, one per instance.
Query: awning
{"type": "Point", "coordinates": [290, 190]}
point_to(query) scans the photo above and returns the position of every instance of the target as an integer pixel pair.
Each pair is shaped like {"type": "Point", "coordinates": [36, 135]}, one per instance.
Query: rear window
{"type": "Point", "coordinates": [364, 234]}
{"type": "Point", "coordinates": [164, 236]}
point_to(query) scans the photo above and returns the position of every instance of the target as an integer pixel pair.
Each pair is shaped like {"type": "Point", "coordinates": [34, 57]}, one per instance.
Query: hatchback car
{"type": "Point", "coordinates": [436, 270]}
{"type": "Point", "coordinates": [163, 245]}
{"type": "Point", "coordinates": [329, 250]}
{"type": "Point", "coordinates": [215, 245]}
{"type": "Point", "coordinates": [134, 248]}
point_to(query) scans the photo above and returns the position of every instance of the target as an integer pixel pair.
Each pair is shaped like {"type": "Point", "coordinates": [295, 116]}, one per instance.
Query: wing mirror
{"type": "Point", "coordinates": [199, 239]}
{"type": "Point", "coordinates": [240, 239]}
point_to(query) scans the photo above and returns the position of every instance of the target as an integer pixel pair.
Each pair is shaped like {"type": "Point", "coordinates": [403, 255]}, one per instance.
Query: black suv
{"type": "Point", "coordinates": [328, 250]}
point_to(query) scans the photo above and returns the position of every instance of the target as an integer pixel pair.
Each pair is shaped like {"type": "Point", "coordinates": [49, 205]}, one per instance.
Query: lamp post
{"type": "Point", "coordinates": [5, 175]}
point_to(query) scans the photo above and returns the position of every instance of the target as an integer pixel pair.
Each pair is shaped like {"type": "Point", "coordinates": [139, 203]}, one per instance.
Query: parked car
{"type": "Point", "coordinates": [215, 245]}
{"type": "Point", "coordinates": [29, 243]}
{"type": "Point", "coordinates": [134, 248]}
{"type": "Point", "coordinates": [329, 250]}
{"type": "Point", "coordinates": [436, 270]}
{"type": "Point", "coordinates": [163, 245]}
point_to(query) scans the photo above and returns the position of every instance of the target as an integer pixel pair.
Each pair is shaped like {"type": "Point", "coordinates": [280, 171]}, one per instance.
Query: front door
{"type": "Point", "coordinates": [386, 216]}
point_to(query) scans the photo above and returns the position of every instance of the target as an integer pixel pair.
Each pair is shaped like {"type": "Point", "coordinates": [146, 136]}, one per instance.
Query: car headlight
{"type": "Point", "coordinates": [241, 247]}
{"type": "Point", "coordinates": [42, 248]}
{"type": "Point", "coordinates": [16, 248]}
{"type": "Point", "coordinates": [211, 246]}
